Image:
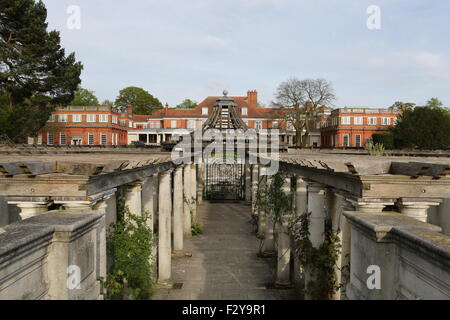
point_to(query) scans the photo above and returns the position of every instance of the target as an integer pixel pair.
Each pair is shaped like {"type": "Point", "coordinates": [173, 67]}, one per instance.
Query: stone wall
{"type": "Point", "coordinates": [53, 256]}
{"type": "Point", "coordinates": [440, 216]}
{"type": "Point", "coordinates": [413, 258]}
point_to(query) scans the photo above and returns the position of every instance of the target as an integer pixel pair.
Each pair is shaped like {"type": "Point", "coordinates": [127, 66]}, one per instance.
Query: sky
{"type": "Point", "coordinates": [178, 49]}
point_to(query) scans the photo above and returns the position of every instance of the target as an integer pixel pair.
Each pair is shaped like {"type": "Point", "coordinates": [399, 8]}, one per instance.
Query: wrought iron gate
{"type": "Point", "coordinates": [224, 181]}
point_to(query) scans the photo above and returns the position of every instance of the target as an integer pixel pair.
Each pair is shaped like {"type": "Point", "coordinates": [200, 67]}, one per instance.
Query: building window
{"type": "Point", "coordinates": [103, 138]}
{"type": "Point", "coordinates": [244, 111]}
{"type": "Point", "coordinates": [123, 123]}
{"type": "Point", "coordinates": [50, 138]}
{"type": "Point", "coordinates": [39, 139]}
{"type": "Point", "coordinates": [62, 138]}
{"type": "Point", "coordinates": [372, 121]}
{"type": "Point", "coordinates": [76, 118]}
{"type": "Point", "coordinates": [386, 121]}
{"type": "Point", "coordinates": [358, 120]}
{"type": "Point", "coordinates": [205, 111]}
{"type": "Point", "coordinates": [91, 118]}
{"type": "Point", "coordinates": [114, 119]}
{"type": "Point", "coordinates": [358, 140]}
{"type": "Point", "coordinates": [63, 118]}
{"type": "Point", "coordinates": [275, 124]}
{"type": "Point", "coordinates": [91, 139]}
{"type": "Point", "coordinates": [345, 140]}
{"type": "Point", "coordinates": [345, 120]}
{"type": "Point", "coordinates": [191, 124]}
{"type": "Point", "coordinates": [174, 124]}
{"type": "Point", "coordinates": [103, 118]}
{"type": "Point", "coordinates": [258, 125]}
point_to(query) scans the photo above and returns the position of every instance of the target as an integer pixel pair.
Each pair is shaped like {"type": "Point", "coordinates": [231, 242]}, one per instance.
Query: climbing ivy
{"type": "Point", "coordinates": [130, 243]}
{"type": "Point", "coordinates": [320, 263]}
{"type": "Point", "coordinates": [196, 228]}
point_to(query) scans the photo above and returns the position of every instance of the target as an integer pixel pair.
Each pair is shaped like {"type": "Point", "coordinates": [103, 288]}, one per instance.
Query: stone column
{"type": "Point", "coordinates": [284, 246]}
{"type": "Point", "coordinates": [187, 201]}
{"type": "Point", "coordinates": [269, 243]}
{"type": "Point", "coordinates": [248, 183]}
{"type": "Point", "coordinates": [261, 211]}
{"type": "Point", "coordinates": [164, 236]}
{"type": "Point", "coordinates": [31, 209]}
{"type": "Point", "coordinates": [301, 207]}
{"type": "Point", "coordinates": [193, 191]}
{"type": "Point", "coordinates": [101, 240]}
{"type": "Point", "coordinates": [201, 182]}
{"type": "Point", "coordinates": [178, 216]}
{"type": "Point", "coordinates": [255, 181]}
{"type": "Point", "coordinates": [133, 198]}
{"type": "Point", "coordinates": [147, 197]}
{"type": "Point", "coordinates": [316, 206]}
{"type": "Point", "coordinates": [416, 208]}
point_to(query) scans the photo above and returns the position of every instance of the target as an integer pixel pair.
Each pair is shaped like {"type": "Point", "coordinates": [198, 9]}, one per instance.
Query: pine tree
{"type": "Point", "coordinates": [35, 73]}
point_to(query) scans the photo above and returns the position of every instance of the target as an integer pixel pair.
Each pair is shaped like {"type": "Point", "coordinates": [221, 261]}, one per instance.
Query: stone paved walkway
{"type": "Point", "coordinates": [224, 262]}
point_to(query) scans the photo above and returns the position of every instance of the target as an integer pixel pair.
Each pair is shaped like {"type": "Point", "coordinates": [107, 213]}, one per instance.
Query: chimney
{"type": "Point", "coordinates": [252, 97]}
{"type": "Point", "coordinates": [167, 107]}
{"type": "Point", "coordinates": [129, 109]}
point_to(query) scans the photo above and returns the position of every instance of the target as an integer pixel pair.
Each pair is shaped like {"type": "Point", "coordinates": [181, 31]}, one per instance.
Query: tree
{"type": "Point", "coordinates": [434, 103]}
{"type": "Point", "coordinates": [187, 104]}
{"type": "Point", "coordinates": [35, 73]}
{"type": "Point", "coordinates": [302, 99]}
{"type": "Point", "coordinates": [84, 97]}
{"type": "Point", "coordinates": [399, 105]}
{"type": "Point", "coordinates": [108, 102]}
{"type": "Point", "coordinates": [426, 127]}
{"type": "Point", "coordinates": [142, 101]}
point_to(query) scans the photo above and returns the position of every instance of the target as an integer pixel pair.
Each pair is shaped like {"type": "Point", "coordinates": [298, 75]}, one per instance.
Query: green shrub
{"type": "Point", "coordinates": [130, 243]}
{"type": "Point", "coordinates": [384, 138]}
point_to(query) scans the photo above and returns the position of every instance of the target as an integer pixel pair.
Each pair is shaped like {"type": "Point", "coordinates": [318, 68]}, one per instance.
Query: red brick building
{"type": "Point", "coordinates": [102, 125]}
{"type": "Point", "coordinates": [352, 127]}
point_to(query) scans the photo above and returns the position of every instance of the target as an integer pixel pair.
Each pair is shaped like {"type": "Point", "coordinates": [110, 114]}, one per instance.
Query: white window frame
{"type": "Point", "coordinates": [30, 140]}
{"type": "Point", "coordinates": [258, 124]}
{"type": "Point", "coordinates": [386, 121]}
{"type": "Point", "coordinates": [191, 124]}
{"type": "Point", "coordinates": [123, 123]}
{"type": "Point", "coordinates": [114, 119]}
{"type": "Point", "coordinates": [63, 118]}
{"type": "Point", "coordinates": [358, 145]}
{"type": "Point", "coordinates": [91, 118]}
{"type": "Point", "coordinates": [104, 118]}
{"type": "Point", "coordinates": [61, 135]}
{"type": "Point", "coordinates": [372, 119]}
{"type": "Point", "coordinates": [358, 121]}
{"type": "Point", "coordinates": [205, 111]}
{"type": "Point", "coordinates": [244, 111]}
{"type": "Point", "coordinates": [101, 139]}
{"type": "Point", "coordinates": [346, 120]}
{"type": "Point", "coordinates": [49, 134]}
{"type": "Point", "coordinates": [173, 124]}
{"type": "Point", "coordinates": [39, 139]}
{"type": "Point", "coordinates": [76, 118]}
{"type": "Point", "coordinates": [275, 125]}
{"type": "Point", "coordinates": [346, 135]}
{"type": "Point", "coordinates": [91, 135]}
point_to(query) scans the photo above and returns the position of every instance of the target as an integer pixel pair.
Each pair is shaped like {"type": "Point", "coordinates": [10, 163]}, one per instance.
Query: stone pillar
{"type": "Point", "coordinates": [31, 209]}
{"type": "Point", "coordinates": [248, 183]}
{"type": "Point", "coordinates": [101, 240]}
{"type": "Point", "coordinates": [284, 246]}
{"type": "Point", "coordinates": [301, 197]}
{"type": "Point", "coordinates": [261, 212]}
{"type": "Point", "coordinates": [187, 201]}
{"type": "Point", "coordinates": [316, 206]}
{"type": "Point", "coordinates": [255, 182]}
{"type": "Point", "coordinates": [417, 208]}
{"type": "Point", "coordinates": [164, 236]}
{"type": "Point", "coordinates": [147, 197]}
{"type": "Point", "coordinates": [158, 139]}
{"type": "Point", "coordinates": [178, 215]}
{"type": "Point", "coordinates": [193, 191]}
{"type": "Point", "coordinates": [269, 243]}
{"type": "Point", "coordinates": [201, 182]}
{"type": "Point", "coordinates": [4, 212]}
{"type": "Point", "coordinates": [133, 198]}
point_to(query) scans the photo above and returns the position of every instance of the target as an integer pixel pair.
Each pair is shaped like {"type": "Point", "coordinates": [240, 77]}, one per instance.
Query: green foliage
{"type": "Point", "coordinates": [35, 73]}
{"type": "Point", "coordinates": [384, 138]}
{"type": "Point", "coordinates": [84, 97]}
{"type": "Point", "coordinates": [434, 103]}
{"type": "Point", "coordinates": [142, 101]}
{"type": "Point", "coordinates": [196, 229]}
{"type": "Point", "coordinates": [319, 262]}
{"type": "Point", "coordinates": [187, 104]}
{"type": "Point", "coordinates": [398, 105]}
{"type": "Point", "coordinates": [425, 127]}
{"type": "Point", "coordinates": [108, 103]}
{"type": "Point", "coordinates": [375, 149]}
{"type": "Point", "coordinates": [130, 244]}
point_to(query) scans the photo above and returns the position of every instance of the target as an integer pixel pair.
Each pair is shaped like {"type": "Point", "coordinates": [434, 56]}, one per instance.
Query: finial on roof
{"type": "Point", "coordinates": [225, 93]}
